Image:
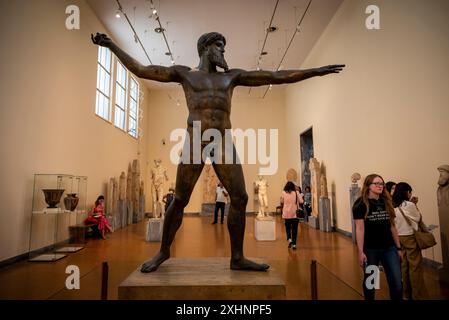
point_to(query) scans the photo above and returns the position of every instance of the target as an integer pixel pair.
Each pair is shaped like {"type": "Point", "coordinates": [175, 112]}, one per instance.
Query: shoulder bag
{"type": "Point", "coordinates": [299, 212]}
{"type": "Point", "coordinates": [424, 238]}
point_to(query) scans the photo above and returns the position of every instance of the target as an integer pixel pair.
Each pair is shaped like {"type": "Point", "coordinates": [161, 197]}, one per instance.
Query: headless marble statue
{"type": "Point", "coordinates": [262, 188]}
{"type": "Point", "coordinates": [158, 177]}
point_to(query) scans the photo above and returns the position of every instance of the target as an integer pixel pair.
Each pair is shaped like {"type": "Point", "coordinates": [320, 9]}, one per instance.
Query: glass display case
{"type": "Point", "coordinates": [59, 201]}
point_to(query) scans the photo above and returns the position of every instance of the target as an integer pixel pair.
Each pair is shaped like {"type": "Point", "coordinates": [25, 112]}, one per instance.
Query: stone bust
{"type": "Point", "coordinates": [355, 177]}
{"type": "Point", "coordinates": [443, 185]}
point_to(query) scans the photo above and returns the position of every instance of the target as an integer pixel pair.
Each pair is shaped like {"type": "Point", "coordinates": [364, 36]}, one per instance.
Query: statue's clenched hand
{"type": "Point", "coordinates": [101, 39]}
{"type": "Point", "coordinates": [334, 68]}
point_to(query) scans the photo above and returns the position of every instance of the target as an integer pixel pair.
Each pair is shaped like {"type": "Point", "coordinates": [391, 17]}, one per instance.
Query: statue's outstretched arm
{"type": "Point", "coordinates": [262, 77]}
{"type": "Point", "coordinates": [152, 72]}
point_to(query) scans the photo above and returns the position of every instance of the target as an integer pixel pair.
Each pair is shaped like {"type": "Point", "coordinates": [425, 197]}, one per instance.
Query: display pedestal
{"type": "Point", "coordinates": [325, 215]}
{"type": "Point", "coordinates": [69, 249]}
{"type": "Point", "coordinates": [154, 229]}
{"type": "Point", "coordinates": [264, 229]}
{"type": "Point", "coordinates": [48, 257]}
{"type": "Point", "coordinates": [201, 279]}
{"type": "Point", "coordinates": [313, 222]}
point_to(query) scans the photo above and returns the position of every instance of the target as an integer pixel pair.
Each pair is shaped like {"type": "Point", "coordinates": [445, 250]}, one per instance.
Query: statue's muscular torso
{"type": "Point", "coordinates": [208, 97]}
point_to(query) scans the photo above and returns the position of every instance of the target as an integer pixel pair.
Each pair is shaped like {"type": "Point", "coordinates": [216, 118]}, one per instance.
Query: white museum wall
{"type": "Point", "coordinates": [47, 114]}
{"type": "Point", "coordinates": [387, 111]}
{"type": "Point", "coordinates": [165, 115]}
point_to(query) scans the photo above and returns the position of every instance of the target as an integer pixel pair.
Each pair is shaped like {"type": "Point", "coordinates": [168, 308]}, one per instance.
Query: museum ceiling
{"type": "Point", "coordinates": [243, 23]}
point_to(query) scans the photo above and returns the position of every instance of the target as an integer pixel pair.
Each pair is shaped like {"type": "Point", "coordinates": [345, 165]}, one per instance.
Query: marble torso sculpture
{"type": "Point", "coordinates": [158, 177]}
{"type": "Point", "coordinates": [210, 184]}
{"type": "Point", "coordinates": [262, 193]}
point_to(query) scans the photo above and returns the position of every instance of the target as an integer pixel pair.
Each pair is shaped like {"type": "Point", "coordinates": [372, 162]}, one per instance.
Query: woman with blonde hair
{"type": "Point", "coordinates": [377, 237]}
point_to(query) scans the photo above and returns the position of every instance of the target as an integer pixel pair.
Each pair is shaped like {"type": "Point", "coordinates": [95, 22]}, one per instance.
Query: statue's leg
{"type": "Point", "coordinates": [154, 198]}
{"type": "Point", "coordinates": [265, 205]}
{"type": "Point", "coordinates": [186, 178]}
{"type": "Point", "coordinates": [261, 205]}
{"type": "Point", "coordinates": [160, 196]}
{"type": "Point", "coordinates": [231, 175]}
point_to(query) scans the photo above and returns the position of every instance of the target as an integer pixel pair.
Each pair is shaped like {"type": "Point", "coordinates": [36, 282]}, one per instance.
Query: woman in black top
{"type": "Point", "coordinates": [377, 237]}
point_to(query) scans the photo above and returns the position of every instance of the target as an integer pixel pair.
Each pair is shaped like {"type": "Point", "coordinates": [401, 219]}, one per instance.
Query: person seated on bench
{"type": "Point", "coordinates": [98, 217]}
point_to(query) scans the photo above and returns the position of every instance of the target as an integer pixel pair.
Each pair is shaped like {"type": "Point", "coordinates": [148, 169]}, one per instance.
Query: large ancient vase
{"type": "Point", "coordinates": [71, 201]}
{"type": "Point", "coordinates": [52, 196]}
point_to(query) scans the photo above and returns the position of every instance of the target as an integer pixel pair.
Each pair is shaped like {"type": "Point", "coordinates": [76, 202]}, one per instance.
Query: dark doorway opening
{"type": "Point", "coordinates": [306, 146]}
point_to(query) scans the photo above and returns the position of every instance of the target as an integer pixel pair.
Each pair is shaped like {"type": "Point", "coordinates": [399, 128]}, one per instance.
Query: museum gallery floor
{"type": "Point", "coordinates": [339, 277]}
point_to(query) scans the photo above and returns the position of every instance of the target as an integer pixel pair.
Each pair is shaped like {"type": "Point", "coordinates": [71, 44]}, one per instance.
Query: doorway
{"type": "Point", "coordinates": [306, 147]}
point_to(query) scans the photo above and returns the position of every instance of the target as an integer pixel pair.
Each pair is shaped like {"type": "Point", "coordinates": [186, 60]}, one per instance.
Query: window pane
{"type": "Point", "coordinates": [132, 108]}
{"type": "Point", "coordinates": [120, 118]}
{"type": "Point", "coordinates": [106, 108]}
{"type": "Point", "coordinates": [133, 90]}
{"type": "Point", "coordinates": [121, 75]}
{"type": "Point", "coordinates": [107, 64]}
{"type": "Point", "coordinates": [132, 128]}
{"type": "Point", "coordinates": [120, 97]}
{"type": "Point", "coordinates": [104, 58]}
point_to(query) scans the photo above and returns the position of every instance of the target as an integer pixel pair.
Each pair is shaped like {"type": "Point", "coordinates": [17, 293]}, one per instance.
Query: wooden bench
{"type": "Point", "coordinates": [79, 231]}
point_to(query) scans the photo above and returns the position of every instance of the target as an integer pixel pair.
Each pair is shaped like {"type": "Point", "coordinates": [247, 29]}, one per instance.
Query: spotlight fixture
{"type": "Point", "coordinates": [263, 53]}
{"type": "Point", "coordinates": [154, 11]}
{"type": "Point", "coordinates": [159, 30]}
{"type": "Point", "coordinates": [172, 61]}
{"type": "Point", "coordinates": [168, 53]}
{"type": "Point", "coordinates": [272, 29]}
{"type": "Point", "coordinates": [117, 14]}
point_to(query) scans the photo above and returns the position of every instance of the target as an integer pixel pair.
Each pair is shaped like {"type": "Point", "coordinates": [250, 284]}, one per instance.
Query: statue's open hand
{"type": "Point", "coordinates": [334, 68]}
{"type": "Point", "coordinates": [101, 39]}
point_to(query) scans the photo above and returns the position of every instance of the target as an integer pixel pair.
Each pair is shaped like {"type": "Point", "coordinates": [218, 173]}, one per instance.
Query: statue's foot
{"type": "Point", "coordinates": [154, 263]}
{"type": "Point", "coordinates": [245, 264]}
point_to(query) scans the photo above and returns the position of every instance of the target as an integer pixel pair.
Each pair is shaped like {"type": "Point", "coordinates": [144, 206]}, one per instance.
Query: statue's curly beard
{"type": "Point", "coordinates": [218, 60]}
{"type": "Point", "coordinates": [443, 181]}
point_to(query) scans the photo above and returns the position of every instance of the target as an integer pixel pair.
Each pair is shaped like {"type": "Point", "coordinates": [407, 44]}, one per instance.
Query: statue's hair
{"type": "Point", "coordinates": [208, 38]}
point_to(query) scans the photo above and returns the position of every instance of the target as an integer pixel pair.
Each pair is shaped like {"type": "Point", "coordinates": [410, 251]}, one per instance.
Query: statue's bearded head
{"type": "Point", "coordinates": [443, 180]}
{"type": "Point", "coordinates": [213, 44]}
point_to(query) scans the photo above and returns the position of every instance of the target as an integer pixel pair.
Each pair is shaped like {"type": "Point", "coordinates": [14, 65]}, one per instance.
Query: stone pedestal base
{"type": "Point", "coordinates": [207, 210]}
{"type": "Point", "coordinates": [313, 222]}
{"type": "Point", "coordinates": [325, 215]}
{"type": "Point", "coordinates": [154, 229]}
{"type": "Point", "coordinates": [201, 279]}
{"type": "Point", "coordinates": [265, 229]}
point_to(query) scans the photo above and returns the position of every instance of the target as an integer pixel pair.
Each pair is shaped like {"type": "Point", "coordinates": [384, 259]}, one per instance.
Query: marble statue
{"type": "Point", "coordinates": [208, 92]}
{"type": "Point", "coordinates": [209, 185]}
{"type": "Point", "coordinates": [354, 193]}
{"type": "Point", "coordinates": [324, 193]}
{"type": "Point", "coordinates": [315, 179]}
{"type": "Point", "coordinates": [262, 187]}
{"type": "Point", "coordinates": [324, 205]}
{"type": "Point", "coordinates": [292, 175]}
{"type": "Point", "coordinates": [355, 177]}
{"type": "Point", "coordinates": [129, 183]}
{"type": "Point", "coordinates": [122, 186]}
{"type": "Point", "coordinates": [443, 213]}
{"type": "Point", "coordinates": [114, 197]}
{"type": "Point", "coordinates": [110, 191]}
{"type": "Point", "coordinates": [129, 196]}
{"type": "Point", "coordinates": [158, 177]}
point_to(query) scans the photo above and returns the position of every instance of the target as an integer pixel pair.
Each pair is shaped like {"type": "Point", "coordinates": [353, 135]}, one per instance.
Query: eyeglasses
{"type": "Point", "coordinates": [379, 184]}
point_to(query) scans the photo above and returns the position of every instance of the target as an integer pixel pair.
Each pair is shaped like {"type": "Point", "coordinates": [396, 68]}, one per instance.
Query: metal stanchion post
{"type": "Point", "coordinates": [313, 280]}
{"type": "Point", "coordinates": [104, 280]}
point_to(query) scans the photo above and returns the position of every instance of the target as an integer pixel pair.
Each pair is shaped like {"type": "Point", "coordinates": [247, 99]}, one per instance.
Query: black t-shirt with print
{"type": "Point", "coordinates": [377, 224]}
